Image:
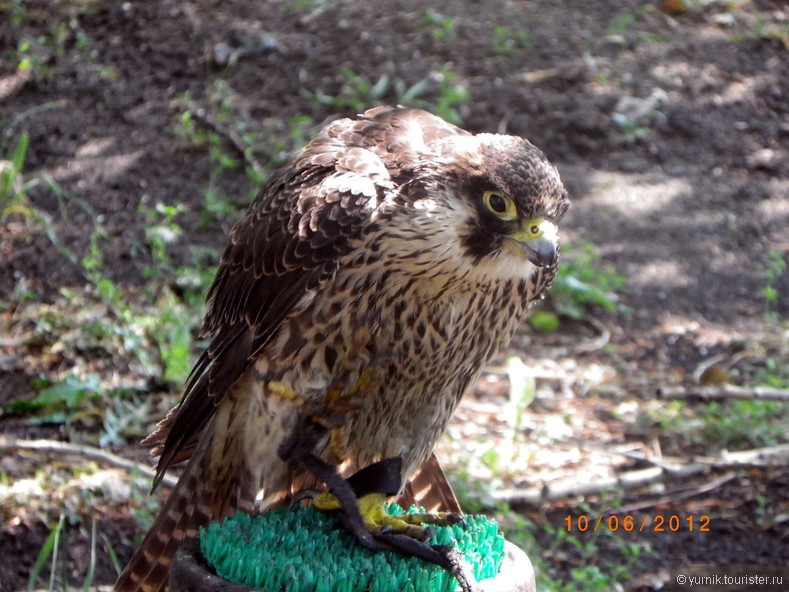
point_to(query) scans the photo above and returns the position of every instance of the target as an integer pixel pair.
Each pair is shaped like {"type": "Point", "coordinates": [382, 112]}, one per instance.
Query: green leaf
{"type": "Point", "coordinates": [70, 392]}
{"type": "Point", "coordinates": [547, 322]}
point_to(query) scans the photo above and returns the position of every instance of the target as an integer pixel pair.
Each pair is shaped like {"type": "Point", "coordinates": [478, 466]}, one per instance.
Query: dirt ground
{"type": "Point", "coordinates": [670, 127]}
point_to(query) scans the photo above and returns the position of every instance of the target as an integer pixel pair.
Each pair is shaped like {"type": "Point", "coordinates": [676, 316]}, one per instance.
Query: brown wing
{"type": "Point", "coordinates": [289, 242]}
{"type": "Point", "coordinates": [404, 138]}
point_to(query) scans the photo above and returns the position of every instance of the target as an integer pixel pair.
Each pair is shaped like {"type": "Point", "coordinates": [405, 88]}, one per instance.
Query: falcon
{"type": "Point", "coordinates": [367, 285]}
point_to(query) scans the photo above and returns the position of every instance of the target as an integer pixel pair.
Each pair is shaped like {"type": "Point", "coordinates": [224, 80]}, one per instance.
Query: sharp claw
{"type": "Point", "coordinates": [427, 534]}
{"type": "Point", "coordinates": [305, 494]}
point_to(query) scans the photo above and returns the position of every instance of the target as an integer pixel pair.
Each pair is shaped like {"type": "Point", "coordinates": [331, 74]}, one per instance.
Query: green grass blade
{"type": "Point", "coordinates": [47, 550]}
{"type": "Point", "coordinates": [92, 566]}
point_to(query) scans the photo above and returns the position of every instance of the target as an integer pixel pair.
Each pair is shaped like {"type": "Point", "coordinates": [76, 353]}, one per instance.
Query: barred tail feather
{"type": "Point", "coordinates": [185, 511]}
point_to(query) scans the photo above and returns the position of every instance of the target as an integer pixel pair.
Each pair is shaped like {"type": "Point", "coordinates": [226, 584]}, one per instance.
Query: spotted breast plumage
{"type": "Point", "coordinates": [369, 282]}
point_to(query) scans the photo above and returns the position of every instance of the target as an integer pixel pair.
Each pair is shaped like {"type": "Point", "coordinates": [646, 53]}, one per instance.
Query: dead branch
{"type": "Point", "coordinates": [769, 456]}
{"type": "Point", "coordinates": [724, 392]}
{"type": "Point", "coordinates": [89, 452]}
{"type": "Point", "coordinates": [666, 469]}
{"type": "Point", "coordinates": [573, 488]}
{"type": "Point", "coordinates": [675, 495]}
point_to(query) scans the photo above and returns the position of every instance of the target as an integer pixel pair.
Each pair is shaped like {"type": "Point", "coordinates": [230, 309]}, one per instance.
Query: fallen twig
{"type": "Point", "coordinates": [723, 392]}
{"type": "Point", "coordinates": [89, 452]}
{"type": "Point", "coordinates": [777, 455]}
{"type": "Point", "coordinates": [572, 488]}
{"type": "Point", "coordinates": [674, 496]}
{"type": "Point", "coordinates": [666, 469]}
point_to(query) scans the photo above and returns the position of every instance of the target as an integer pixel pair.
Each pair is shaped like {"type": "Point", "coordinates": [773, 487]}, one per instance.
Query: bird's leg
{"type": "Point", "coordinates": [379, 481]}
{"type": "Point", "coordinates": [383, 532]}
{"type": "Point", "coordinates": [372, 486]}
{"type": "Point", "coordinates": [360, 504]}
{"type": "Point", "coordinates": [372, 508]}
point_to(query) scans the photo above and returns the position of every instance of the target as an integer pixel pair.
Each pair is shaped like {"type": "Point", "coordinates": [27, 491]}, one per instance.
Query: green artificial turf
{"type": "Point", "coordinates": [304, 550]}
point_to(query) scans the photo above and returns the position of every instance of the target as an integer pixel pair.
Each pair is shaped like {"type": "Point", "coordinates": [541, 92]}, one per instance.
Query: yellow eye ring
{"type": "Point", "coordinates": [500, 205]}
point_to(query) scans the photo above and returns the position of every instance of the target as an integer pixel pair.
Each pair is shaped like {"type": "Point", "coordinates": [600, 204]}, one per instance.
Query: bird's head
{"type": "Point", "coordinates": [506, 201]}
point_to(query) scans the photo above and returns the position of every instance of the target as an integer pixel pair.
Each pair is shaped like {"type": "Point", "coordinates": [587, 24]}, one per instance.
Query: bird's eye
{"type": "Point", "coordinates": [500, 204]}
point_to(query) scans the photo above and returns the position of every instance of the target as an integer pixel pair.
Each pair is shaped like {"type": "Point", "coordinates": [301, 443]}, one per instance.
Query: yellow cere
{"type": "Point", "coordinates": [534, 228]}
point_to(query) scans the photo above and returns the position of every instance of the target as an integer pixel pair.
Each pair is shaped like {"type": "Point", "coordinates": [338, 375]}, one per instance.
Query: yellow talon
{"type": "Point", "coordinates": [372, 508]}
{"type": "Point", "coordinates": [326, 502]}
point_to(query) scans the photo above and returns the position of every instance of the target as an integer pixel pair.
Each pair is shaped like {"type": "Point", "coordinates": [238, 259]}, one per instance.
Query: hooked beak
{"type": "Point", "coordinates": [541, 252]}
{"type": "Point", "coordinates": [539, 241]}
